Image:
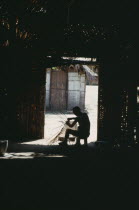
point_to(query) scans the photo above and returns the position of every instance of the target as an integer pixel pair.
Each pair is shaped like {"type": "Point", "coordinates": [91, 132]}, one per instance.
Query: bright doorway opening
{"type": "Point", "coordinates": [66, 87]}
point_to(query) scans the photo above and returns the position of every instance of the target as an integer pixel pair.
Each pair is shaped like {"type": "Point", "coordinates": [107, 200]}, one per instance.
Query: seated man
{"type": "Point", "coordinates": [84, 127]}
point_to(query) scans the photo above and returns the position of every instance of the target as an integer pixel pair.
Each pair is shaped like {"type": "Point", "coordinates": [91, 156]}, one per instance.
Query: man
{"type": "Point", "coordinates": [83, 129]}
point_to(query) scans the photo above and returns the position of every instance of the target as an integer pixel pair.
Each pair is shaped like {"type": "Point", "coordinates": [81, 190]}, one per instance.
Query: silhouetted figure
{"type": "Point", "coordinates": [83, 129]}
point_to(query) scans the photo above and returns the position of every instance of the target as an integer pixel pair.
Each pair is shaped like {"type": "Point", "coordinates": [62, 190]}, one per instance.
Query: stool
{"type": "Point", "coordinates": [73, 139]}
{"type": "Point", "coordinates": [85, 140]}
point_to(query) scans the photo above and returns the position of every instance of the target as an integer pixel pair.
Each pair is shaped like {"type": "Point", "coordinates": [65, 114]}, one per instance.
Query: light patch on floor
{"type": "Point", "coordinates": [29, 155]}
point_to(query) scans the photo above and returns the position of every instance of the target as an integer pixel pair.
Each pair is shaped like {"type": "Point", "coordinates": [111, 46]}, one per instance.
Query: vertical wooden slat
{"type": "Point", "coordinates": [31, 109]}
{"type": "Point", "coordinates": [128, 113]}
{"type": "Point", "coordinates": [101, 108]}
{"type": "Point", "coordinates": [132, 111]}
{"type": "Point", "coordinates": [108, 105]}
{"type": "Point", "coordinates": [58, 90]}
{"type": "Point", "coordinates": [137, 119]}
{"type": "Point", "coordinates": [3, 112]}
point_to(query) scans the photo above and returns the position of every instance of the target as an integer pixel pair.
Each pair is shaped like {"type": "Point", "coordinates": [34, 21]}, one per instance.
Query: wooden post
{"type": "Point", "coordinates": [101, 107]}
{"type": "Point", "coordinates": [132, 112]}
{"type": "Point", "coordinates": [137, 119]}
{"type": "Point", "coordinates": [30, 107]}
{"type": "Point", "coordinates": [108, 105]}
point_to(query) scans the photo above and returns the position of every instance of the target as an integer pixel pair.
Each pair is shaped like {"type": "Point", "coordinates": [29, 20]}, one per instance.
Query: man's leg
{"type": "Point", "coordinates": [78, 141]}
{"type": "Point", "coordinates": [85, 141]}
{"type": "Point", "coordinates": [74, 133]}
{"type": "Point", "coordinates": [68, 132]}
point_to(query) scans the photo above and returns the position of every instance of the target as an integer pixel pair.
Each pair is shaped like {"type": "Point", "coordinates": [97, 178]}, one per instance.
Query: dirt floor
{"type": "Point", "coordinates": [104, 181]}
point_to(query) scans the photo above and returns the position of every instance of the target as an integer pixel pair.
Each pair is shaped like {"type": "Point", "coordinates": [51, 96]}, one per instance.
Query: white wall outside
{"type": "Point", "coordinates": [48, 81]}
{"type": "Point", "coordinates": [76, 90]}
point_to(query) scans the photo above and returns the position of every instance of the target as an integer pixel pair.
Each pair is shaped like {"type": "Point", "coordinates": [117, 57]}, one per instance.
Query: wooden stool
{"type": "Point", "coordinates": [73, 139]}
{"type": "Point", "coordinates": [85, 140]}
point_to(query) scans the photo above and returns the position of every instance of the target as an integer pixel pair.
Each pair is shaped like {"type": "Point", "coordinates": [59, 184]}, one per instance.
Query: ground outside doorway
{"type": "Point", "coordinates": [54, 121]}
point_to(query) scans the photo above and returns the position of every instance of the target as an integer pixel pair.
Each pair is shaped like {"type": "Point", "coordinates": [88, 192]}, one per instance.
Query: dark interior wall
{"type": "Point", "coordinates": [13, 80]}
{"type": "Point", "coordinates": [117, 102]}
{"type": "Point", "coordinates": [115, 48]}
{"type": "Point", "coordinates": [138, 116]}
{"type": "Point", "coordinates": [21, 97]}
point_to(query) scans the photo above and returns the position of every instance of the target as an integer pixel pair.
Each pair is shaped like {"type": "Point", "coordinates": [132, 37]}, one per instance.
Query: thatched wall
{"type": "Point", "coordinates": [117, 121]}
{"type": "Point", "coordinates": [21, 97]}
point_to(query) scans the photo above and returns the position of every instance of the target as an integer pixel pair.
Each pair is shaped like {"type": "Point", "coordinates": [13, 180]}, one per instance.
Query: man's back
{"type": "Point", "coordinates": [84, 124]}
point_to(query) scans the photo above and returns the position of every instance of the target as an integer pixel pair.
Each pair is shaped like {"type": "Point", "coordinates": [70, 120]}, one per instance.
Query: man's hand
{"type": "Point", "coordinates": [67, 122]}
{"type": "Point", "coordinates": [71, 124]}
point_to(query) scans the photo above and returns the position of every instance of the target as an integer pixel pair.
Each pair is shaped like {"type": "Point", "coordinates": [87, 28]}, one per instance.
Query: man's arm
{"type": "Point", "coordinates": [72, 118]}
{"type": "Point", "coordinates": [71, 124]}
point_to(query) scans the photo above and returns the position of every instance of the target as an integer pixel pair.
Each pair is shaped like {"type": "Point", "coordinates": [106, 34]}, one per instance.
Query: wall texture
{"type": "Point", "coordinates": [48, 79]}
{"type": "Point", "coordinates": [76, 90]}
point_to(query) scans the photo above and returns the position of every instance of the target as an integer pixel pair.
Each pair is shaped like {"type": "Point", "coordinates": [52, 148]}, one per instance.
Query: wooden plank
{"type": "Point", "coordinates": [76, 90]}
{"type": "Point", "coordinates": [108, 106]}
{"type": "Point", "coordinates": [48, 80]}
{"type": "Point", "coordinates": [58, 95]}
{"type": "Point", "coordinates": [137, 122]}
{"type": "Point", "coordinates": [30, 108]}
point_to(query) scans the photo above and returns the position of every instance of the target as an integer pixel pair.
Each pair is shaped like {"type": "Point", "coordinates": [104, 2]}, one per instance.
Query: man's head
{"type": "Point", "coordinates": [77, 111]}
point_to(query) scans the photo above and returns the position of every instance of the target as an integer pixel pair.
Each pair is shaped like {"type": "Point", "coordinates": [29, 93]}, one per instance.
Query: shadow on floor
{"type": "Point", "coordinates": [89, 178]}
{"type": "Point", "coordinates": [91, 152]}
{"type": "Point", "coordinates": [50, 150]}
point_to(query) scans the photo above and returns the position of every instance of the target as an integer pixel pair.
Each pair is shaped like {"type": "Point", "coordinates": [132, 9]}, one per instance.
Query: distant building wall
{"type": "Point", "coordinates": [82, 91]}
{"type": "Point", "coordinates": [58, 91]}
{"type": "Point", "coordinates": [48, 81]}
{"type": "Point", "coordinates": [93, 81]}
{"type": "Point", "coordinates": [76, 90]}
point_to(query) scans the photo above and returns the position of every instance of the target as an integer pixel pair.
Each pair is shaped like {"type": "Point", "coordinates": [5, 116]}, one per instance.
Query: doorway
{"type": "Point", "coordinates": [74, 88]}
{"type": "Point", "coordinates": [58, 90]}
